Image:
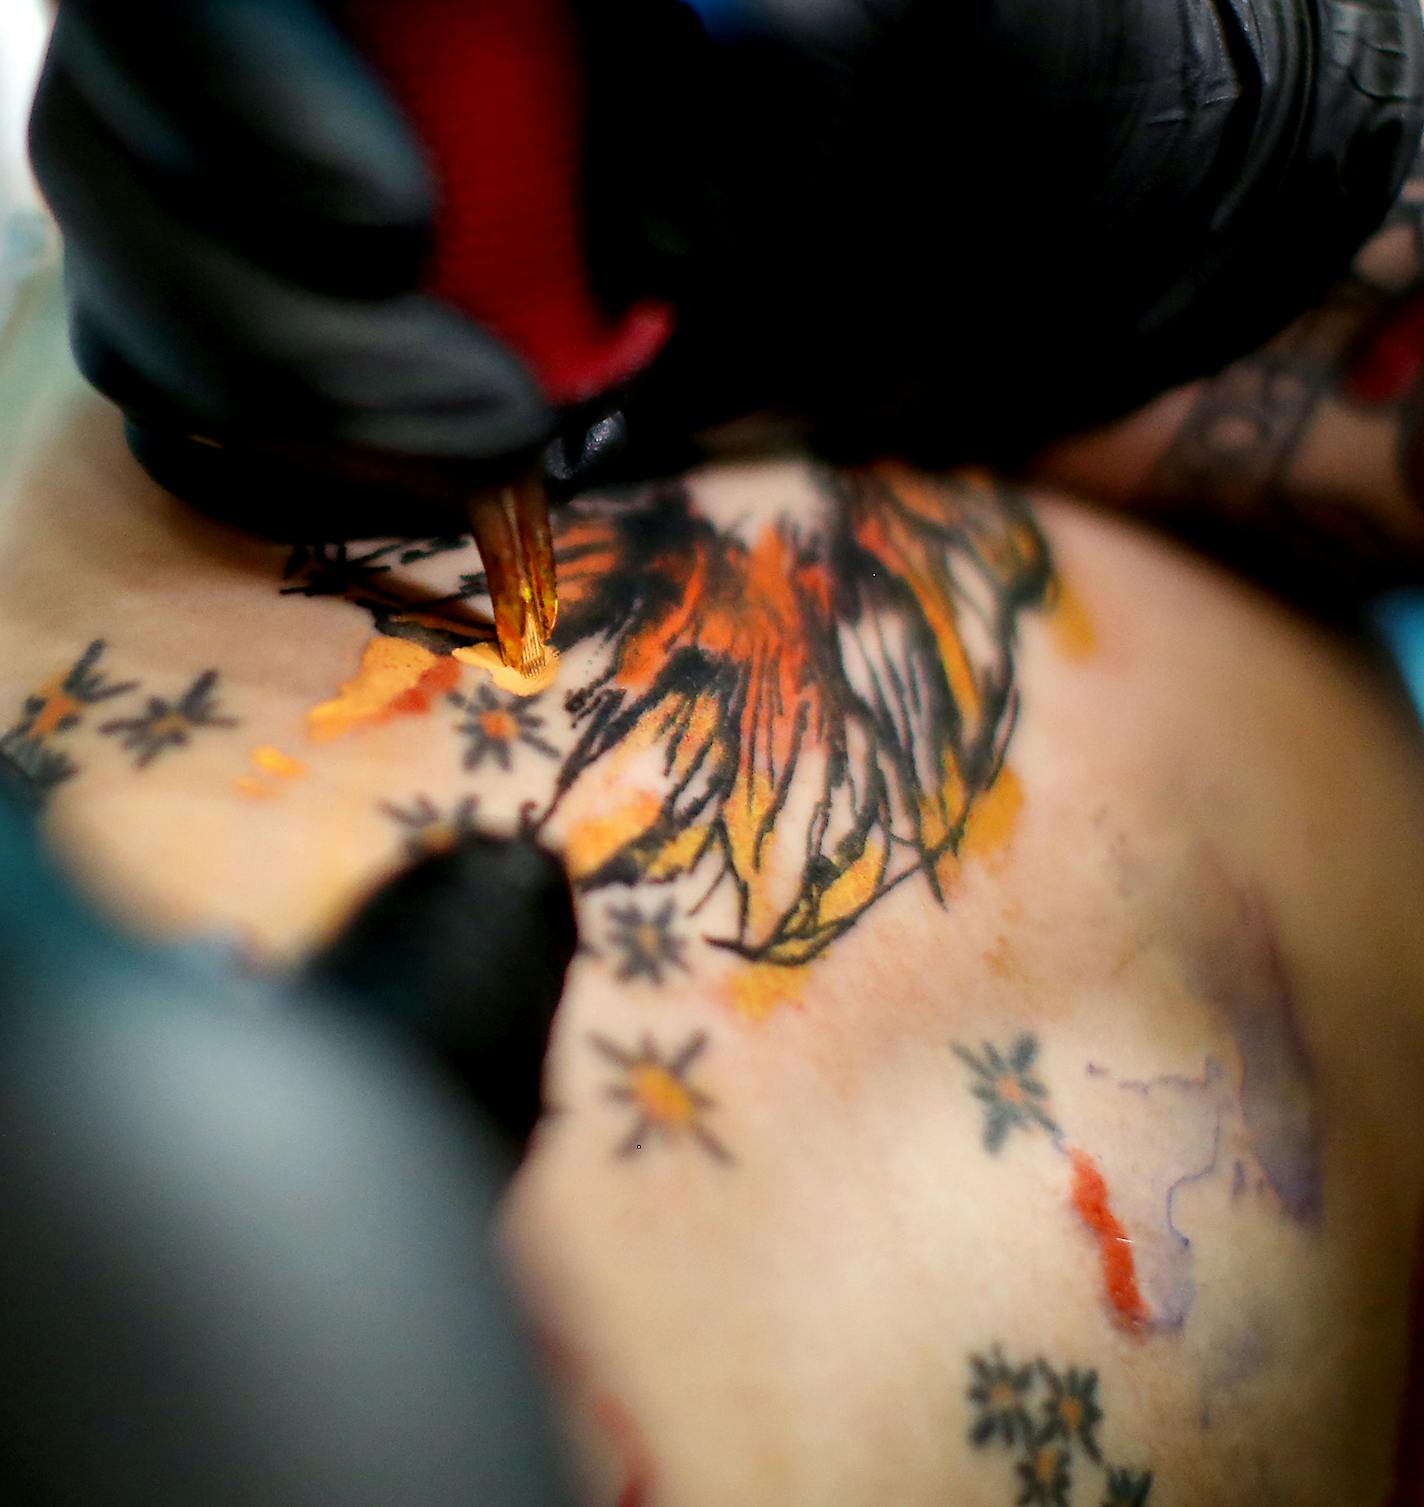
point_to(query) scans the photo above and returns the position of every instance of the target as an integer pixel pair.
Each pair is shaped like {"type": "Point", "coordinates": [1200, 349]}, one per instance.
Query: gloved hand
{"type": "Point", "coordinates": [956, 229]}
{"type": "Point", "coordinates": [246, 217]}
{"type": "Point", "coordinates": [246, 1233]}
{"type": "Point", "coordinates": [944, 229]}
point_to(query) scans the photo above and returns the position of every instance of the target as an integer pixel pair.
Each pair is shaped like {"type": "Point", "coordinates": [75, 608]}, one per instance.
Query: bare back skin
{"type": "Point", "coordinates": [991, 1072]}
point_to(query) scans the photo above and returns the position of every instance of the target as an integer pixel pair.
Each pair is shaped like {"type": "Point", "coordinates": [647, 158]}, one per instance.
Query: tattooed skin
{"type": "Point", "coordinates": [1125, 1190]}
{"type": "Point", "coordinates": [54, 709]}
{"type": "Point", "coordinates": [665, 1104]}
{"type": "Point", "coordinates": [647, 945]}
{"type": "Point", "coordinates": [497, 727]}
{"type": "Point", "coordinates": [163, 724]}
{"type": "Point", "coordinates": [1272, 466]}
{"type": "Point", "coordinates": [1046, 1419]}
{"type": "Point", "coordinates": [829, 697]}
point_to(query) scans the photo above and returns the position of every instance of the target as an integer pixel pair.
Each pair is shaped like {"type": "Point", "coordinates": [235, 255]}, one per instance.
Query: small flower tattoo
{"type": "Point", "coordinates": [494, 726]}
{"type": "Point", "coordinates": [1000, 1393]}
{"type": "Point", "coordinates": [1046, 1419]}
{"type": "Point", "coordinates": [59, 703]}
{"type": "Point", "coordinates": [1044, 1479]}
{"type": "Point", "coordinates": [648, 944]}
{"type": "Point", "coordinates": [170, 724]}
{"type": "Point", "coordinates": [1071, 1411]}
{"type": "Point", "coordinates": [1012, 1096]}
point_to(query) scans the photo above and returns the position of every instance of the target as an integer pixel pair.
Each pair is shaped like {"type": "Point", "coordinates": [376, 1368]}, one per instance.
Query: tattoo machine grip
{"type": "Point", "coordinates": [494, 90]}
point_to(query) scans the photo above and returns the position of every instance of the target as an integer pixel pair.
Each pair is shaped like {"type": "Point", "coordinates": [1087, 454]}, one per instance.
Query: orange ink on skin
{"type": "Point", "coordinates": [443, 676]}
{"type": "Point", "coordinates": [615, 1419]}
{"type": "Point", "coordinates": [662, 1096]}
{"type": "Point", "coordinates": [765, 603]}
{"type": "Point", "coordinates": [760, 989]}
{"type": "Point", "coordinates": [395, 678]}
{"type": "Point", "coordinates": [58, 707]}
{"type": "Point", "coordinates": [591, 843]}
{"type": "Point", "coordinates": [486, 657]}
{"type": "Point", "coordinates": [1090, 1201]}
{"type": "Point", "coordinates": [251, 788]}
{"type": "Point", "coordinates": [273, 761]}
{"type": "Point", "coordinates": [993, 817]}
{"type": "Point", "coordinates": [1071, 625]}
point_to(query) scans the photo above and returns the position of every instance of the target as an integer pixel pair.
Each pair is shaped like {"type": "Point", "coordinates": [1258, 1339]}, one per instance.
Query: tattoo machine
{"type": "Point", "coordinates": [494, 90]}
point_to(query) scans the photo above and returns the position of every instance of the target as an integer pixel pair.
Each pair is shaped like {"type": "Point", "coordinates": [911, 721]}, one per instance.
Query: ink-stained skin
{"type": "Point", "coordinates": [1125, 1189]}
{"type": "Point", "coordinates": [1046, 1420]}
{"type": "Point", "coordinates": [867, 665]}
{"type": "Point", "coordinates": [56, 707]}
{"type": "Point", "coordinates": [855, 668]}
{"type": "Point", "coordinates": [395, 678]}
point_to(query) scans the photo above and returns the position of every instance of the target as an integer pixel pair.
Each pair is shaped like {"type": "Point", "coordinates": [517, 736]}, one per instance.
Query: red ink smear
{"type": "Point", "coordinates": [442, 676]}
{"type": "Point", "coordinates": [1391, 362]}
{"type": "Point", "coordinates": [1090, 1199]}
{"type": "Point", "coordinates": [616, 1420]}
{"type": "Point", "coordinates": [624, 1431]}
{"type": "Point", "coordinates": [1409, 1462]}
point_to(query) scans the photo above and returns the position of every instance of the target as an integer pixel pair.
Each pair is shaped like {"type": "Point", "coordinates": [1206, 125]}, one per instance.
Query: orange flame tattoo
{"type": "Point", "coordinates": [828, 699]}
{"type": "Point", "coordinates": [814, 709]}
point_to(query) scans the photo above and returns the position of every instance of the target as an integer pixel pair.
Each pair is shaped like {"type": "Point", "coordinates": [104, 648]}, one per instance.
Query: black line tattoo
{"type": "Point", "coordinates": [856, 668]}
{"type": "Point", "coordinates": [36, 770]}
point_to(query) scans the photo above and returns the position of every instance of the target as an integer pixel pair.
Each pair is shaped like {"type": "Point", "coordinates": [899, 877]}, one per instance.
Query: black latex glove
{"type": "Point", "coordinates": [966, 226]}
{"type": "Point", "coordinates": [246, 1235]}
{"type": "Point", "coordinates": [246, 218]}
{"type": "Point", "coordinates": [950, 229]}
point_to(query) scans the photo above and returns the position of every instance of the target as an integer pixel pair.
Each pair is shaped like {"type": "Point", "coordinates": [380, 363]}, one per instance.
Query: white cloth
{"type": "Point", "coordinates": [27, 238]}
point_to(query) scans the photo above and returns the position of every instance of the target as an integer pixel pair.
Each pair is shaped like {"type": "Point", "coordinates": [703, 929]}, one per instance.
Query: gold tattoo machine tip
{"type": "Point", "coordinates": [511, 529]}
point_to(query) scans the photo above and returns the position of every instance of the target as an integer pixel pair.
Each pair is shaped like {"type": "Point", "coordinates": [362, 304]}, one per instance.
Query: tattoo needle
{"type": "Point", "coordinates": [511, 529]}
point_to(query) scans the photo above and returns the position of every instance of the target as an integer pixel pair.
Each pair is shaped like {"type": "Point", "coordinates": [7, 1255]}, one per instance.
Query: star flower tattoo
{"type": "Point", "coordinates": [1071, 1410]}
{"type": "Point", "coordinates": [1044, 1478]}
{"type": "Point", "coordinates": [170, 724]}
{"type": "Point", "coordinates": [58, 705]}
{"type": "Point", "coordinates": [648, 944]}
{"type": "Point", "coordinates": [1012, 1097]}
{"type": "Point", "coordinates": [1051, 1453]}
{"type": "Point", "coordinates": [665, 1104]}
{"type": "Point", "coordinates": [1000, 1393]}
{"type": "Point", "coordinates": [494, 726]}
